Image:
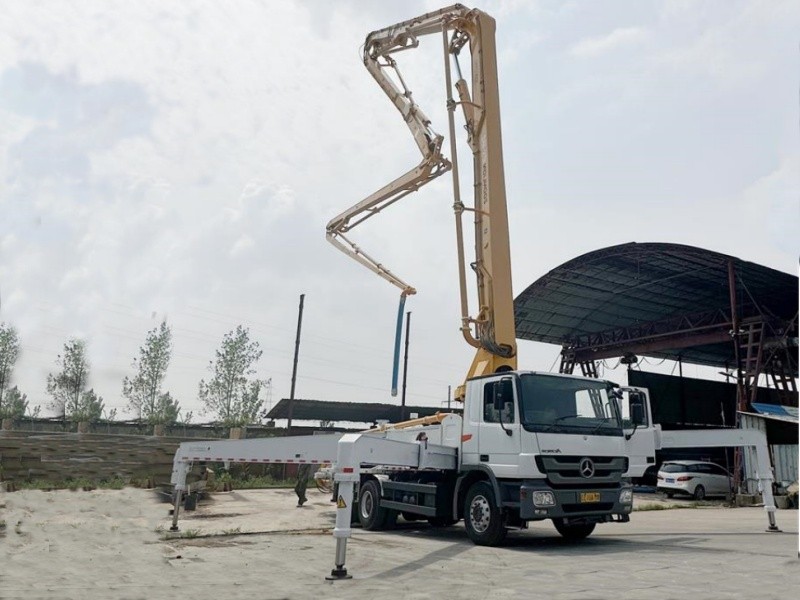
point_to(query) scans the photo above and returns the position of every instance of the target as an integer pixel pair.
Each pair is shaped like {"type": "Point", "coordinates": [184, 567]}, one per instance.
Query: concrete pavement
{"type": "Point", "coordinates": [256, 545]}
{"type": "Point", "coordinates": [712, 552]}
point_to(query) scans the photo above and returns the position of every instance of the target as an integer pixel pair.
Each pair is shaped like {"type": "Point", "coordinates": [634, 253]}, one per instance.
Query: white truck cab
{"type": "Point", "coordinates": [552, 446]}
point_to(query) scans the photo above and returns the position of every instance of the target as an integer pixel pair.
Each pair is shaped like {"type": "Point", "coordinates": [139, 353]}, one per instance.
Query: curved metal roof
{"type": "Point", "coordinates": [654, 299]}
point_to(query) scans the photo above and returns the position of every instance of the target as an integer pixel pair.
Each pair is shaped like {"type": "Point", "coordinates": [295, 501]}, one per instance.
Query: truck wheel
{"type": "Point", "coordinates": [370, 513]}
{"type": "Point", "coordinates": [699, 492]}
{"type": "Point", "coordinates": [573, 532]}
{"type": "Point", "coordinates": [482, 517]}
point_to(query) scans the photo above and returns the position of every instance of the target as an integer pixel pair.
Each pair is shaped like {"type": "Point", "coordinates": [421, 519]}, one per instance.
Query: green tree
{"type": "Point", "coordinates": [15, 404]}
{"type": "Point", "coordinates": [89, 408]}
{"type": "Point", "coordinates": [167, 410]}
{"type": "Point", "coordinates": [67, 387]}
{"type": "Point", "coordinates": [230, 393]}
{"type": "Point", "coordinates": [143, 391]}
{"type": "Point", "coordinates": [9, 352]}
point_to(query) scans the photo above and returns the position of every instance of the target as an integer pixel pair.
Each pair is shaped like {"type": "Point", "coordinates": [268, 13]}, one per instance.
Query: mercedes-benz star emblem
{"type": "Point", "coordinates": [586, 467]}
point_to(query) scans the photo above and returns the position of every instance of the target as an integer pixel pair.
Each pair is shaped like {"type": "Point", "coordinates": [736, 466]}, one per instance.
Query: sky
{"type": "Point", "coordinates": [179, 161]}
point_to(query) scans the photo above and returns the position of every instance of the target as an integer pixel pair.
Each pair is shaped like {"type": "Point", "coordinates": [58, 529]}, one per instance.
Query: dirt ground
{"type": "Point", "coordinates": [256, 544]}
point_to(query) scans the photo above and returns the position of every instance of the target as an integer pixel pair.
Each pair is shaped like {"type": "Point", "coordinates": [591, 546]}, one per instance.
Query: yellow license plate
{"type": "Point", "coordinates": [590, 496]}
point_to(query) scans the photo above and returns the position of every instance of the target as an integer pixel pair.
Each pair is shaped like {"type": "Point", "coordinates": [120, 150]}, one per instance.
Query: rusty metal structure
{"type": "Point", "coordinates": [669, 301]}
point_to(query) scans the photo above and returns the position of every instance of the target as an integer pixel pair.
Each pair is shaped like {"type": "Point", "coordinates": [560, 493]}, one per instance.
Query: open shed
{"type": "Point", "coordinates": [670, 301]}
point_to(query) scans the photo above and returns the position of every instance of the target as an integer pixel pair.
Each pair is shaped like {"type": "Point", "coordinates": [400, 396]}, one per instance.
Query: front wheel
{"type": "Point", "coordinates": [573, 532]}
{"type": "Point", "coordinates": [483, 519]}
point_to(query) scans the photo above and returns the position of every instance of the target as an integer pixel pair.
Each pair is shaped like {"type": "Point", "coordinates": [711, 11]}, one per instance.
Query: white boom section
{"type": "Point", "coordinates": [314, 449]}
{"type": "Point", "coordinates": [349, 452]}
{"type": "Point", "coordinates": [729, 438]}
{"type": "Point", "coordinates": [378, 50]}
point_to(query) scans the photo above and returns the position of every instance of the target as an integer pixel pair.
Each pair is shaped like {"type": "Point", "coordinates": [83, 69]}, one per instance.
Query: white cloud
{"type": "Point", "coordinates": [181, 160]}
{"type": "Point", "coordinates": [734, 43]}
{"type": "Point", "coordinates": [619, 38]}
{"type": "Point", "coordinates": [242, 246]}
{"type": "Point", "coordinates": [773, 202]}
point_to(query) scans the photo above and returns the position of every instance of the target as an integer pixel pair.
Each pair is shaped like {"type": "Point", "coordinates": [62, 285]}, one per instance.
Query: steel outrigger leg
{"type": "Point", "coordinates": [339, 571]}
{"type": "Point", "coordinates": [773, 527]}
{"type": "Point", "coordinates": [176, 508]}
{"type": "Point", "coordinates": [179, 472]}
{"type": "Point", "coordinates": [765, 479]}
{"type": "Point", "coordinates": [342, 530]}
{"type": "Point", "coordinates": [769, 504]}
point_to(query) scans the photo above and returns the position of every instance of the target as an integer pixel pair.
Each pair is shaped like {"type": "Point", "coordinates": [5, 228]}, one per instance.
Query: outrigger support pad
{"type": "Point", "coordinates": [338, 574]}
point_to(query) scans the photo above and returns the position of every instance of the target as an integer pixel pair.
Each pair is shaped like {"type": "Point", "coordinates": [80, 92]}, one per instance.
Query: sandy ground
{"type": "Point", "coordinates": [256, 544]}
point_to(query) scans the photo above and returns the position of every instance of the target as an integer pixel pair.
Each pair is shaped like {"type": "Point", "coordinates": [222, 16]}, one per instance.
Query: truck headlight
{"type": "Point", "coordinates": [626, 496]}
{"type": "Point", "coordinates": [544, 499]}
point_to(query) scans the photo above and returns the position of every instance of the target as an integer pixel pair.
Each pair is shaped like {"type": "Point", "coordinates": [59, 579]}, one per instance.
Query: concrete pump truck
{"type": "Point", "coordinates": [528, 446]}
{"type": "Point", "coordinates": [533, 445]}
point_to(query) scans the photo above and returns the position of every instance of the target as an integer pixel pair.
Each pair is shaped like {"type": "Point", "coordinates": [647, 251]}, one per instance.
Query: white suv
{"type": "Point", "coordinates": [693, 477]}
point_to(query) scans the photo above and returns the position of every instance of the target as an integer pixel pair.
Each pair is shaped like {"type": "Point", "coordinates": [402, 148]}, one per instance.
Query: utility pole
{"type": "Point", "coordinates": [448, 397]}
{"type": "Point", "coordinates": [294, 366]}
{"type": "Point", "coordinates": [405, 368]}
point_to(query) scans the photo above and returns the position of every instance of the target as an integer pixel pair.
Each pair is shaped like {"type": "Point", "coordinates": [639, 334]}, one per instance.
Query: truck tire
{"type": "Point", "coordinates": [573, 532]}
{"type": "Point", "coordinates": [483, 519]}
{"type": "Point", "coordinates": [370, 514]}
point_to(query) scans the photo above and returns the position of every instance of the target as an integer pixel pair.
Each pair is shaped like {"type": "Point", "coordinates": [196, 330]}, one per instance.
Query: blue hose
{"type": "Point", "coordinates": [398, 334]}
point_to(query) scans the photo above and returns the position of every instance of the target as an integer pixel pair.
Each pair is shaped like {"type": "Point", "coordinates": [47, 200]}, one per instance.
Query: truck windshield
{"type": "Point", "coordinates": [565, 405]}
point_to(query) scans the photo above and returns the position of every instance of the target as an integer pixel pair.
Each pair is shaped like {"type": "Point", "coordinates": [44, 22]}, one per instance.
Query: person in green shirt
{"type": "Point", "coordinates": [303, 474]}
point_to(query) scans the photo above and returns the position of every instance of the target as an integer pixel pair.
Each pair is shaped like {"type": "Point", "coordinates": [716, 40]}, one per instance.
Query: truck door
{"type": "Point", "coordinates": [499, 437]}
{"type": "Point", "coordinates": [637, 424]}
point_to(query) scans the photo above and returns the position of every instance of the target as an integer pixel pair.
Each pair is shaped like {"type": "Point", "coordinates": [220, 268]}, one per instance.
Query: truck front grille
{"type": "Point", "coordinates": [565, 471]}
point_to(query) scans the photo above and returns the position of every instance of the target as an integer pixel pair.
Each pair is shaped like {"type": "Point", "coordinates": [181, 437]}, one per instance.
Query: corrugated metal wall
{"type": "Point", "coordinates": [784, 457]}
